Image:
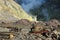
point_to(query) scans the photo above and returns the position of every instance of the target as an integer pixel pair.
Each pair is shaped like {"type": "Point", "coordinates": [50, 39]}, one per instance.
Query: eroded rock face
{"type": "Point", "coordinates": [10, 11]}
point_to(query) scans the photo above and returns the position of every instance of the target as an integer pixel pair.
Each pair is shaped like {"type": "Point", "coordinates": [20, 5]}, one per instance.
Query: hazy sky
{"type": "Point", "coordinates": [29, 4]}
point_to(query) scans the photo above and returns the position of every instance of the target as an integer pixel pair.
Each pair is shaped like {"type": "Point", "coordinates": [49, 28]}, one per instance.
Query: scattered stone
{"type": "Point", "coordinates": [34, 30]}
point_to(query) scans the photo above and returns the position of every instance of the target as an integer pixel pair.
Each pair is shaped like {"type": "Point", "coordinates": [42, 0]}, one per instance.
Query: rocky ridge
{"type": "Point", "coordinates": [28, 30]}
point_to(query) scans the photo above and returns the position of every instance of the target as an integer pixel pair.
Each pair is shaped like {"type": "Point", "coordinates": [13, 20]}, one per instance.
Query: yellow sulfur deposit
{"type": "Point", "coordinates": [11, 11]}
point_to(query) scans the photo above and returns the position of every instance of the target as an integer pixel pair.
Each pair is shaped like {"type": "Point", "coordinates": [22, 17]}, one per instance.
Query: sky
{"type": "Point", "coordinates": [30, 4]}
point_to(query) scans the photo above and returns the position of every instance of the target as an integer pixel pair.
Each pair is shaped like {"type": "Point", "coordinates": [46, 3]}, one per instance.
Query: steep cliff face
{"type": "Point", "coordinates": [11, 11]}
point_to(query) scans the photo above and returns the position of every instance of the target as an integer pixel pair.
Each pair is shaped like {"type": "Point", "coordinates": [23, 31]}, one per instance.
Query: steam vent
{"type": "Point", "coordinates": [17, 24]}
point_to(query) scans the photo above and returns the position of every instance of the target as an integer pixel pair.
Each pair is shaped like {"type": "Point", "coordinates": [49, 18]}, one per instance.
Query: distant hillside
{"type": "Point", "coordinates": [11, 11]}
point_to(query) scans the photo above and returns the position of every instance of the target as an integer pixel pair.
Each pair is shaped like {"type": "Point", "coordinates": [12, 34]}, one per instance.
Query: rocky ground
{"type": "Point", "coordinates": [27, 30]}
